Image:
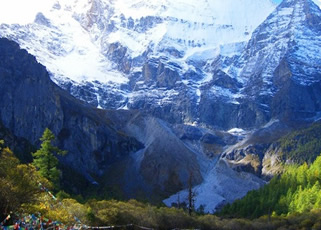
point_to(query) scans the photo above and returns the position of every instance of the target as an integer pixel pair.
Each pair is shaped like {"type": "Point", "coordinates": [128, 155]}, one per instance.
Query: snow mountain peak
{"type": "Point", "coordinates": [86, 30]}
{"type": "Point", "coordinates": [103, 46]}
{"type": "Point", "coordinates": [291, 34]}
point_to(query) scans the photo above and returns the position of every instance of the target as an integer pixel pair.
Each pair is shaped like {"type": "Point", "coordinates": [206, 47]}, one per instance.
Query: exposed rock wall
{"type": "Point", "coordinates": [30, 102]}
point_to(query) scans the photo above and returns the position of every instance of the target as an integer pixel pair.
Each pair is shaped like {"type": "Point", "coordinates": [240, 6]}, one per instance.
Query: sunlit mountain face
{"type": "Point", "coordinates": [144, 29]}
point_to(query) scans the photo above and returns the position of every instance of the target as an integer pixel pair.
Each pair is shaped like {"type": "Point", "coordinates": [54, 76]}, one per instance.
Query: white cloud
{"type": "Point", "coordinates": [22, 11]}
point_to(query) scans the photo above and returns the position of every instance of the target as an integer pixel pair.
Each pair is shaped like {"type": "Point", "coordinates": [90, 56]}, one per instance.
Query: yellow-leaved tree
{"type": "Point", "coordinates": [18, 182]}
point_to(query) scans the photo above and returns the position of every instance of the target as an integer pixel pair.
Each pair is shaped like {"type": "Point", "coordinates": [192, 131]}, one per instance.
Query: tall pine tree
{"type": "Point", "coordinates": [45, 160]}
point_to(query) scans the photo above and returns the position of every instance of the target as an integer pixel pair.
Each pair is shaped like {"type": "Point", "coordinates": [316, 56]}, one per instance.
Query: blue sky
{"type": "Point", "coordinates": [277, 1]}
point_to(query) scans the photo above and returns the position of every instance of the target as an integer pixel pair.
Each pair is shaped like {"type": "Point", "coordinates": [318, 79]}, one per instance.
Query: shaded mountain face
{"type": "Point", "coordinates": [147, 156]}
{"type": "Point", "coordinates": [31, 102]}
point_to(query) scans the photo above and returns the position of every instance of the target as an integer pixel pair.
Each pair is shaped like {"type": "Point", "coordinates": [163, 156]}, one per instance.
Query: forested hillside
{"type": "Point", "coordinates": [297, 190]}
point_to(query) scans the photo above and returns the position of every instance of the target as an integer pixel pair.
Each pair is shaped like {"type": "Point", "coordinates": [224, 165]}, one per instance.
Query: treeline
{"type": "Point", "coordinates": [297, 190]}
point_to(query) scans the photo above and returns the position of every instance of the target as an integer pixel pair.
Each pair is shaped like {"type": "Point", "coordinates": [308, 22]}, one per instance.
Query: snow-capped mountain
{"type": "Point", "coordinates": [188, 27]}
{"type": "Point", "coordinates": [211, 72]}
{"type": "Point", "coordinates": [283, 53]}
{"type": "Point", "coordinates": [275, 81]}
{"type": "Point", "coordinates": [106, 43]}
{"type": "Point", "coordinates": [292, 31]}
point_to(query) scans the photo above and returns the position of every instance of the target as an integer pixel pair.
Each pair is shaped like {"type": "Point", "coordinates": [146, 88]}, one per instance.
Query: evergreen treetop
{"type": "Point", "coordinates": [45, 160]}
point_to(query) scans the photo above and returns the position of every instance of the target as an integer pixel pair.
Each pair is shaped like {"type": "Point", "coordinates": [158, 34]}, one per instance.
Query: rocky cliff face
{"type": "Point", "coordinates": [31, 102]}
{"type": "Point", "coordinates": [97, 141]}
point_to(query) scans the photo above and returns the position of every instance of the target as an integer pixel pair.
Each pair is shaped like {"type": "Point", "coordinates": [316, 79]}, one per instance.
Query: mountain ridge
{"type": "Point", "coordinates": [95, 23]}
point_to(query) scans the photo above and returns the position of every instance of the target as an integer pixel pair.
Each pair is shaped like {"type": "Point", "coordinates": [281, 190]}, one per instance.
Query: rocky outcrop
{"type": "Point", "coordinates": [93, 94]}
{"type": "Point", "coordinates": [261, 152]}
{"type": "Point", "coordinates": [118, 54]}
{"type": "Point", "coordinates": [161, 74]}
{"type": "Point", "coordinates": [223, 80]}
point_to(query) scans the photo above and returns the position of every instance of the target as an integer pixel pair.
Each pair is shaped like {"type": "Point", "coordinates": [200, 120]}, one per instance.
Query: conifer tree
{"type": "Point", "coordinates": [45, 160]}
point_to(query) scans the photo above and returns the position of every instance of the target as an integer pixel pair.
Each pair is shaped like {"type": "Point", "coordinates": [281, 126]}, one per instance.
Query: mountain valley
{"type": "Point", "coordinates": [146, 97]}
